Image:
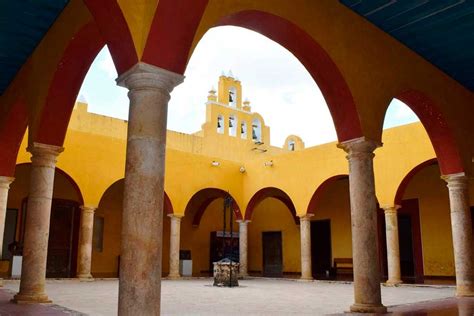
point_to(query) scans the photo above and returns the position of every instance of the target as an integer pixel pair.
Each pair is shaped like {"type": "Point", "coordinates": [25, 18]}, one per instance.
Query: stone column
{"type": "Point", "coordinates": [393, 246]}
{"type": "Point", "coordinates": [142, 216]}
{"type": "Point", "coordinates": [35, 247]}
{"type": "Point", "coordinates": [84, 256]}
{"type": "Point", "coordinates": [175, 231]}
{"type": "Point", "coordinates": [243, 248]}
{"type": "Point", "coordinates": [367, 294]}
{"type": "Point", "coordinates": [458, 186]}
{"type": "Point", "coordinates": [4, 187]}
{"type": "Point", "coordinates": [305, 233]}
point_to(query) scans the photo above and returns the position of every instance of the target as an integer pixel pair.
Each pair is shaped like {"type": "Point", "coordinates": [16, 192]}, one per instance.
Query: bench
{"type": "Point", "coordinates": [343, 265]}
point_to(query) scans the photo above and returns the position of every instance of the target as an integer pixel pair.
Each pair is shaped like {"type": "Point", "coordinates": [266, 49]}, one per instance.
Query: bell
{"type": "Point", "coordinates": [219, 124]}
{"type": "Point", "coordinates": [231, 124]}
{"type": "Point", "coordinates": [254, 134]}
{"type": "Point", "coordinates": [242, 131]}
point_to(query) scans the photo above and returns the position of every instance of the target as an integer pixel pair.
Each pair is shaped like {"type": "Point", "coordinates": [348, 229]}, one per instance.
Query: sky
{"type": "Point", "coordinates": [275, 82]}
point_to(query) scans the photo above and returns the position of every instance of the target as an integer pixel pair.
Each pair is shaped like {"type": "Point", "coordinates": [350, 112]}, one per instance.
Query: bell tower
{"type": "Point", "coordinates": [230, 91]}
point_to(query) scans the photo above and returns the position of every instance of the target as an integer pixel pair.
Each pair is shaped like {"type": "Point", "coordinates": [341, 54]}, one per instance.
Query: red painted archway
{"type": "Point", "coordinates": [440, 133]}
{"type": "Point", "coordinates": [199, 202]}
{"type": "Point", "coordinates": [406, 180]}
{"type": "Point", "coordinates": [174, 27]}
{"type": "Point", "coordinates": [315, 199]}
{"type": "Point", "coordinates": [12, 129]}
{"type": "Point", "coordinates": [270, 192]}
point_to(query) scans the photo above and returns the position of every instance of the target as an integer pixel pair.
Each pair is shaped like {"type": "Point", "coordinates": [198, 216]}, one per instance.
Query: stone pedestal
{"type": "Point", "coordinates": [393, 246]}
{"type": "Point", "coordinates": [35, 248]}
{"type": "Point", "coordinates": [367, 293]}
{"type": "Point", "coordinates": [458, 186]}
{"type": "Point", "coordinates": [305, 234]}
{"type": "Point", "coordinates": [226, 273]}
{"type": "Point", "coordinates": [243, 247]}
{"type": "Point", "coordinates": [175, 231]}
{"type": "Point", "coordinates": [142, 217]}
{"type": "Point", "coordinates": [84, 258]}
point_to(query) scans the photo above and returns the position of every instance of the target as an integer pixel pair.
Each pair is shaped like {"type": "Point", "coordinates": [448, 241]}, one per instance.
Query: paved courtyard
{"type": "Point", "coordinates": [253, 297]}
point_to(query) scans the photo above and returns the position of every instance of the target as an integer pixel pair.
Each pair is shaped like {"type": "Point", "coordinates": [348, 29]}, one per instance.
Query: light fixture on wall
{"type": "Point", "coordinates": [215, 163]}
{"type": "Point", "coordinates": [268, 163]}
{"type": "Point", "coordinates": [242, 169]}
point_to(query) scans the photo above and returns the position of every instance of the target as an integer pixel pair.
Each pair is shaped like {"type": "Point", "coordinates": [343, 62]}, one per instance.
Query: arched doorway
{"type": "Point", "coordinates": [331, 241]}
{"type": "Point", "coordinates": [202, 230]}
{"type": "Point", "coordinates": [64, 221]}
{"type": "Point", "coordinates": [273, 240]}
{"type": "Point", "coordinates": [107, 233]}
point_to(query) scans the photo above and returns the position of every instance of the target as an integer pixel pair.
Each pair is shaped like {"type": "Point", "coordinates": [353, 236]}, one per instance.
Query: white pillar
{"type": "Point", "coordinates": [367, 293]}
{"type": "Point", "coordinates": [35, 247]}
{"type": "Point", "coordinates": [305, 234]}
{"type": "Point", "coordinates": [243, 247]}
{"type": "Point", "coordinates": [84, 257]}
{"type": "Point", "coordinates": [393, 245]}
{"type": "Point", "coordinates": [458, 186]}
{"type": "Point", "coordinates": [142, 216]}
{"type": "Point", "coordinates": [175, 231]}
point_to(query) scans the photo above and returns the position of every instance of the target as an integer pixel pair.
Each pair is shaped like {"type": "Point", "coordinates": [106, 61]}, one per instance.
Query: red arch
{"type": "Point", "coordinates": [270, 192]}
{"type": "Point", "coordinates": [315, 59]}
{"type": "Point", "coordinates": [201, 200]}
{"type": "Point", "coordinates": [67, 176]}
{"type": "Point", "coordinates": [66, 83]}
{"type": "Point", "coordinates": [114, 29]}
{"type": "Point", "coordinates": [12, 129]}
{"type": "Point", "coordinates": [172, 32]}
{"type": "Point", "coordinates": [321, 190]}
{"type": "Point", "coordinates": [406, 180]}
{"type": "Point", "coordinates": [167, 205]}
{"type": "Point", "coordinates": [439, 132]}
{"type": "Point", "coordinates": [174, 27]}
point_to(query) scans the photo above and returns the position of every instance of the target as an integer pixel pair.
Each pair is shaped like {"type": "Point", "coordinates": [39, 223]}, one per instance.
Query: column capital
{"type": "Point", "coordinates": [243, 221]}
{"type": "Point", "coordinates": [5, 182]}
{"type": "Point", "coordinates": [175, 216]}
{"type": "Point", "coordinates": [456, 180]}
{"type": "Point", "coordinates": [360, 145]}
{"type": "Point", "coordinates": [391, 209]}
{"type": "Point", "coordinates": [143, 76]}
{"type": "Point", "coordinates": [44, 155]}
{"type": "Point", "coordinates": [305, 217]}
{"type": "Point", "coordinates": [88, 208]}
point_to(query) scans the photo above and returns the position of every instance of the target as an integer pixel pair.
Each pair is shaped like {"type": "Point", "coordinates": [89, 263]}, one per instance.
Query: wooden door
{"type": "Point", "coordinates": [272, 254]}
{"type": "Point", "coordinates": [62, 243]}
{"type": "Point", "coordinates": [321, 252]}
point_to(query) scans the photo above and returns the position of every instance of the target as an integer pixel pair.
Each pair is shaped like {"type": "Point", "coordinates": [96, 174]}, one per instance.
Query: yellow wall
{"type": "Point", "coordinates": [105, 263]}
{"type": "Point", "coordinates": [335, 206]}
{"type": "Point", "coordinates": [272, 215]}
{"type": "Point", "coordinates": [433, 200]}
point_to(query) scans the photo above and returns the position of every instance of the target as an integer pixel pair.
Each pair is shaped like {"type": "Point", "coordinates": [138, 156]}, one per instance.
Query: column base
{"type": "Point", "coordinates": [306, 278]}
{"type": "Point", "coordinates": [1, 282]}
{"type": "Point", "coordinates": [464, 291]}
{"type": "Point", "coordinates": [393, 282]}
{"type": "Point", "coordinates": [31, 299]}
{"type": "Point", "coordinates": [173, 276]}
{"type": "Point", "coordinates": [368, 308]}
{"type": "Point", "coordinates": [85, 277]}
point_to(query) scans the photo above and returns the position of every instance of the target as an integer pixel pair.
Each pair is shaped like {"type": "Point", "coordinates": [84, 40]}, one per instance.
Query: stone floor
{"type": "Point", "coordinates": [253, 297]}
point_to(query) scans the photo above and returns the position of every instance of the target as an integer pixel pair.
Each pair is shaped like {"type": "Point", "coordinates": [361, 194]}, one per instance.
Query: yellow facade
{"type": "Point", "coordinates": [216, 158]}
